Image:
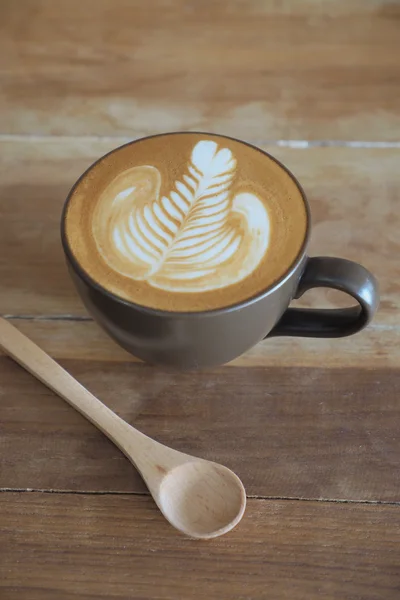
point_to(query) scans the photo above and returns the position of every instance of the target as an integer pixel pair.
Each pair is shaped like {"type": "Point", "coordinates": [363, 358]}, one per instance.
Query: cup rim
{"type": "Point", "coordinates": [186, 314]}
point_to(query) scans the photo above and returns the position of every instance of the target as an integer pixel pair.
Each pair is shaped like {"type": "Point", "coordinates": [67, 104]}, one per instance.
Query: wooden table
{"type": "Point", "coordinates": [311, 426]}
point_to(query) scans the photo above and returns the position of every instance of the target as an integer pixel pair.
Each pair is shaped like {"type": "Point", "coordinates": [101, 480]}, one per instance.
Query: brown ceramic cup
{"type": "Point", "coordinates": [213, 337]}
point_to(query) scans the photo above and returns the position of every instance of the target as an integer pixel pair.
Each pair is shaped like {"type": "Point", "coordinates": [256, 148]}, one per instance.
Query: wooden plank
{"type": "Point", "coordinates": [64, 546]}
{"type": "Point", "coordinates": [353, 194]}
{"type": "Point", "coordinates": [257, 70]}
{"type": "Point", "coordinates": [35, 179]}
{"type": "Point", "coordinates": [376, 347]}
{"type": "Point", "coordinates": [287, 432]}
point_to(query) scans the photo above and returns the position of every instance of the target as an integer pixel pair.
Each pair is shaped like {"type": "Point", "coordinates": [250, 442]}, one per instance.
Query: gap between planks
{"type": "Point", "coordinates": [284, 143]}
{"type": "Point", "coordinates": [77, 318]}
{"type": "Point", "coordinates": [249, 496]}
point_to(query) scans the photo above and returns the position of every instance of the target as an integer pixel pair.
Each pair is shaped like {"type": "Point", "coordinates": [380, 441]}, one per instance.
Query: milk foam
{"type": "Point", "coordinates": [199, 237]}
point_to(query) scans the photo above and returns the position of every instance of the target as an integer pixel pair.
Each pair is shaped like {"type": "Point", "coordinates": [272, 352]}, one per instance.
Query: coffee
{"type": "Point", "coordinates": [186, 222]}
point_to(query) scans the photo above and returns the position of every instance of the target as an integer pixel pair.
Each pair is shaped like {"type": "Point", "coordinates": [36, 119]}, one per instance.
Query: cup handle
{"type": "Point", "coordinates": [339, 274]}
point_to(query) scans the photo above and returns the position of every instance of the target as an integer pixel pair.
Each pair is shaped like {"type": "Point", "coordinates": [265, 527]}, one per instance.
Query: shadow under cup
{"type": "Point", "coordinates": [214, 337]}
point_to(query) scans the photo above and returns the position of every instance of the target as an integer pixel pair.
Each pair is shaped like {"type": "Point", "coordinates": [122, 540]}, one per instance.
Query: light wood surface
{"type": "Point", "coordinates": [261, 70]}
{"type": "Point", "coordinates": [82, 546]}
{"type": "Point", "coordinates": [287, 432]}
{"type": "Point", "coordinates": [310, 426]}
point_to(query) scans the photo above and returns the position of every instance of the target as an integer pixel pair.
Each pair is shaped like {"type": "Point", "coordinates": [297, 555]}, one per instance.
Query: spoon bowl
{"type": "Point", "coordinates": [202, 499]}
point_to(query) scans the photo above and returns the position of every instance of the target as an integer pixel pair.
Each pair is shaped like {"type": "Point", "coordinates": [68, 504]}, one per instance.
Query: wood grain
{"type": "Point", "coordinates": [353, 195]}
{"type": "Point", "coordinates": [376, 347]}
{"type": "Point", "coordinates": [256, 70]}
{"type": "Point", "coordinates": [299, 420]}
{"type": "Point", "coordinates": [287, 432]}
{"type": "Point", "coordinates": [78, 546]}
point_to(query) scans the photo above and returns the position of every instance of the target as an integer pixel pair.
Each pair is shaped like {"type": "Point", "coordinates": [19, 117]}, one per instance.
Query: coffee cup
{"type": "Point", "coordinates": [187, 248]}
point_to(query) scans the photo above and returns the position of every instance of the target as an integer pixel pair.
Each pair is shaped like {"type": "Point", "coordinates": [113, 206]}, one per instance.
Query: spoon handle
{"type": "Point", "coordinates": [38, 363]}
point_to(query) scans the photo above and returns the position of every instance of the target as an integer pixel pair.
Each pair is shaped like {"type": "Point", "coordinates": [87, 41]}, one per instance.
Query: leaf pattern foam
{"type": "Point", "coordinates": [199, 237]}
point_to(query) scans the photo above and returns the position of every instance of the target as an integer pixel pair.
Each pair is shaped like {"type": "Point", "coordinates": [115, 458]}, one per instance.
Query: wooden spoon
{"type": "Point", "coordinates": [200, 498]}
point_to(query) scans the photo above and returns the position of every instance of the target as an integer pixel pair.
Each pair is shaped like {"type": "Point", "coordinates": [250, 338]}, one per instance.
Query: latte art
{"type": "Point", "coordinates": [198, 237]}
{"type": "Point", "coordinates": [185, 222]}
